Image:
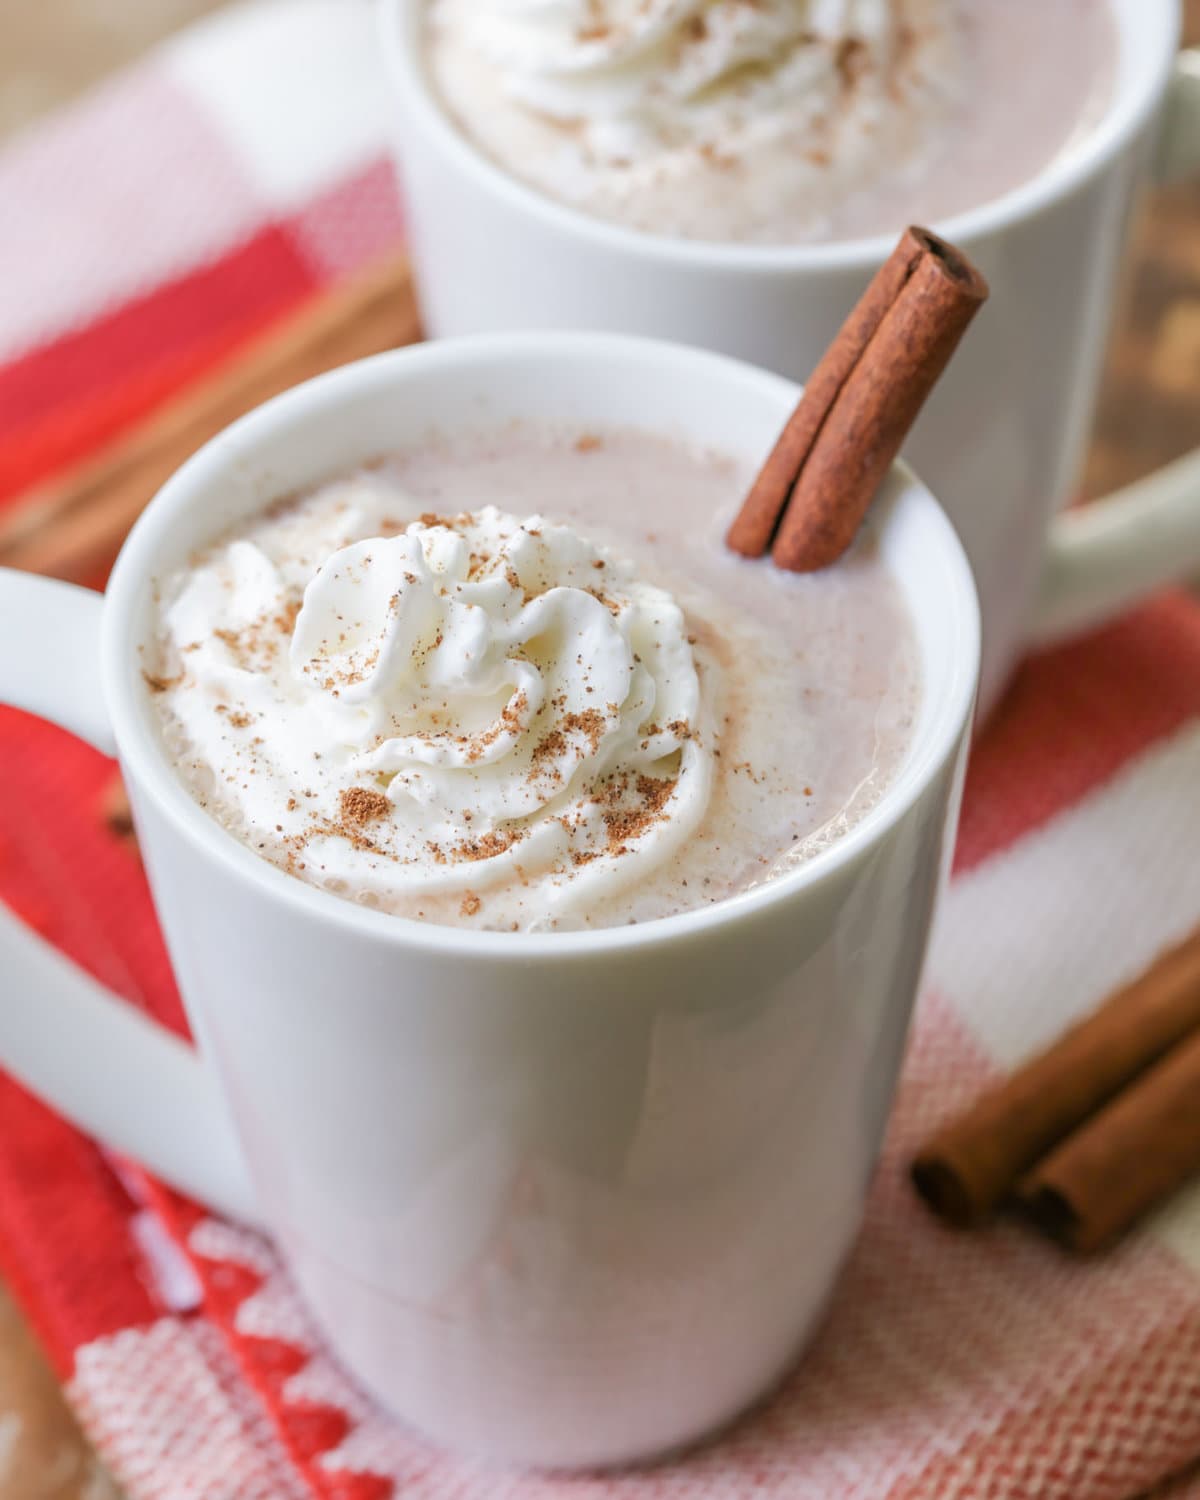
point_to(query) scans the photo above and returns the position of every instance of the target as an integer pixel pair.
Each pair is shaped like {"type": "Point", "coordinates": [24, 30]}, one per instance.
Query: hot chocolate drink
{"type": "Point", "coordinates": [773, 121]}
{"type": "Point", "coordinates": [516, 681]}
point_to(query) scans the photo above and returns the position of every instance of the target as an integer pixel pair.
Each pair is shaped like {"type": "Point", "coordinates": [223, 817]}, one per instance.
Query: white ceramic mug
{"type": "Point", "coordinates": [1002, 440]}
{"type": "Point", "coordinates": [563, 1198]}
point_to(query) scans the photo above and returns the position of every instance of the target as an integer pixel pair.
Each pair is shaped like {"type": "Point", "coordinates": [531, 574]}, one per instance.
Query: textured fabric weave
{"type": "Point", "coordinates": [148, 232]}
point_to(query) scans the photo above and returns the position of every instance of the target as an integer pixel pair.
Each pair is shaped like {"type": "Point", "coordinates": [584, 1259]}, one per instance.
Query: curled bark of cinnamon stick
{"type": "Point", "coordinates": [965, 1171]}
{"type": "Point", "coordinates": [1135, 1152]}
{"type": "Point", "coordinates": [812, 493]}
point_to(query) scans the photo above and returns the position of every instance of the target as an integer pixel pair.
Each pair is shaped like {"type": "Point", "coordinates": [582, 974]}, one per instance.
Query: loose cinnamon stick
{"type": "Point", "coordinates": [812, 493]}
{"type": "Point", "coordinates": [73, 526]}
{"type": "Point", "coordinates": [1126, 1159]}
{"type": "Point", "coordinates": [965, 1171]}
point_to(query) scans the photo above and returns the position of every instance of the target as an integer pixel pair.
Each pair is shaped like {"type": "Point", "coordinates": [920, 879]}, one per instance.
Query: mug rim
{"type": "Point", "coordinates": [1127, 112]}
{"type": "Point", "coordinates": [144, 758]}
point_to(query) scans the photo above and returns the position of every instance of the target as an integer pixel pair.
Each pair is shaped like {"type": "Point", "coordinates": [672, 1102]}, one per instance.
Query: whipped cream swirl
{"type": "Point", "coordinates": [722, 119]}
{"type": "Point", "coordinates": [475, 700]}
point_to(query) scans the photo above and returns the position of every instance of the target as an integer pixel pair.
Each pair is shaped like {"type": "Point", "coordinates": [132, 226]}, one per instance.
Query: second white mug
{"type": "Point", "coordinates": [1002, 440]}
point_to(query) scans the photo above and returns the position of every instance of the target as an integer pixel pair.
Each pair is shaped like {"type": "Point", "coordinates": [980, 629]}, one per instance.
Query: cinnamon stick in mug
{"type": "Point", "coordinates": [811, 495]}
{"type": "Point", "coordinates": [974, 1162]}
{"type": "Point", "coordinates": [1126, 1159]}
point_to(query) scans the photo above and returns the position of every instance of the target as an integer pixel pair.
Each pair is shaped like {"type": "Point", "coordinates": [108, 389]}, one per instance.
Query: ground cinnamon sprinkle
{"type": "Point", "coordinates": [510, 719]}
{"type": "Point", "coordinates": [655, 792]}
{"type": "Point", "coordinates": [611, 605]}
{"type": "Point", "coordinates": [354, 836]}
{"type": "Point", "coordinates": [624, 820]}
{"type": "Point", "coordinates": [237, 644]}
{"type": "Point", "coordinates": [553, 744]}
{"type": "Point", "coordinates": [590, 722]}
{"type": "Point", "coordinates": [285, 620]}
{"type": "Point", "coordinates": [487, 846]}
{"type": "Point", "coordinates": [360, 805]}
{"type": "Point", "coordinates": [261, 637]}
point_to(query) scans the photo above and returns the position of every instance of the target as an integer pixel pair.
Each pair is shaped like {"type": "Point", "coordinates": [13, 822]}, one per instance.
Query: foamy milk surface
{"type": "Point", "coordinates": [516, 681]}
{"type": "Point", "coordinates": [773, 121]}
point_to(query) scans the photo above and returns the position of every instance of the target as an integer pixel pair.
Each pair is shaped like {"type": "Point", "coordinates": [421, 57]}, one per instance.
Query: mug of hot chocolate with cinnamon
{"type": "Point", "coordinates": [548, 883]}
{"type": "Point", "coordinates": [732, 175]}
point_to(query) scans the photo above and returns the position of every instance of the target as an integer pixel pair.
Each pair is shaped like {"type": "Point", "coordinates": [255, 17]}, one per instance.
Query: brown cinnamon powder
{"type": "Point", "coordinates": [360, 805]}
{"type": "Point", "coordinates": [551, 746]}
{"type": "Point", "coordinates": [627, 818]}
{"type": "Point", "coordinates": [487, 846]}
{"type": "Point", "coordinates": [590, 722]}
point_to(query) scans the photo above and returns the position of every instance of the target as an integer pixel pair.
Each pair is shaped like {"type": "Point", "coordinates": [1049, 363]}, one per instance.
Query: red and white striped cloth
{"type": "Point", "coordinates": [146, 233]}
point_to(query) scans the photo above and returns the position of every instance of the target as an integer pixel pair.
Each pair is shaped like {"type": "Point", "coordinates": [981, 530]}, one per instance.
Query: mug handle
{"type": "Point", "coordinates": [1101, 558]}
{"type": "Point", "coordinates": [101, 1063]}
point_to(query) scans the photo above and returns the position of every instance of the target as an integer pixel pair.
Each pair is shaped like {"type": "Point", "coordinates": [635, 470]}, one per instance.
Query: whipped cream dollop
{"type": "Point", "coordinates": [720, 119]}
{"type": "Point", "coordinates": [473, 702]}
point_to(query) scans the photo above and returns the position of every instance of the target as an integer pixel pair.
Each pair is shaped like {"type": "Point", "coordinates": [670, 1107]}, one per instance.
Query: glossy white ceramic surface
{"type": "Point", "coordinates": [559, 1199]}
{"type": "Point", "coordinates": [1002, 439]}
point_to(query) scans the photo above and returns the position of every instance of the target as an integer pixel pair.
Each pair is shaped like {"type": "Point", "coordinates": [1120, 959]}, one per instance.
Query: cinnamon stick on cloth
{"type": "Point", "coordinates": [1143, 1146]}
{"type": "Point", "coordinates": [810, 497]}
{"type": "Point", "coordinates": [973, 1163]}
{"type": "Point", "coordinates": [72, 526]}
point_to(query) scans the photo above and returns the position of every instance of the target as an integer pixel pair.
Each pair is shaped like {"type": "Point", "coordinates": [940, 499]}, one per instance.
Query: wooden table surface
{"type": "Point", "coordinates": [1149, 412]}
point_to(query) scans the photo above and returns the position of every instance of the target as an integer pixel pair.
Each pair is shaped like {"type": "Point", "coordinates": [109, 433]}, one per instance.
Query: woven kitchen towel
{"type": "Point", "coordinates": [145, 234]}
